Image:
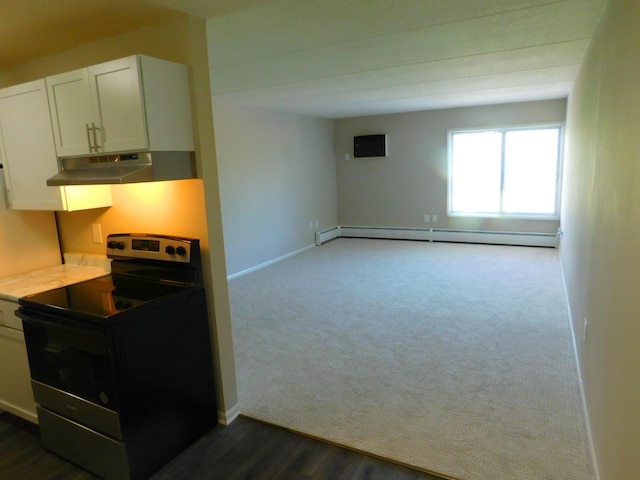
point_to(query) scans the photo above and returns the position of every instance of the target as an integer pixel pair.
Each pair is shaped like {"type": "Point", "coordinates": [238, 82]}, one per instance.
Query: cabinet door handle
{"type": "Point", "coordinates": [95, 138]}
{"type": "Point", "coordinates": [91, 145]}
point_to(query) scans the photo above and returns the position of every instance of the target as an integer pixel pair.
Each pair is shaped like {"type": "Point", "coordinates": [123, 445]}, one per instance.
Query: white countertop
{"type": "Point", "coordinates": [79, 267]}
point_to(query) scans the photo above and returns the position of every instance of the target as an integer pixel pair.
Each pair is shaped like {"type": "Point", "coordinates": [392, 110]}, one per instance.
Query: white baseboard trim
{"type": "Point", "coordinates": [18, 411]}
{"type": "Point", "coordinates": [267, 263]}
{"type": "Point", "coordinates": [532, 239]}
{"type": "Point", "coordinates": [585, 405]}
{"type": "Point", "coordinates": [225, 418]}
{"type": "Point", "coordinates": [441, 235]}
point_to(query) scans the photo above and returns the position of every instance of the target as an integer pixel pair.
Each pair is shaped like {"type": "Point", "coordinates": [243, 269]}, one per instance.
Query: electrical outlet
{"type": "Point", "coordinates": [434, 218]}
{"type": "Point", "coordinates": [317, 224]}
{"type": "Point", "coordinates": [96, 232]}
{"type": "Point", "coordinates": [585, 326]}
{"type": "Point", "coordinates": [427, 218]}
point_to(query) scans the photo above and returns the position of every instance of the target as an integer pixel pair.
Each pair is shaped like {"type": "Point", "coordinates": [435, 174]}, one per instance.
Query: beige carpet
{"type": "Point", "coordinates": [456, 359]}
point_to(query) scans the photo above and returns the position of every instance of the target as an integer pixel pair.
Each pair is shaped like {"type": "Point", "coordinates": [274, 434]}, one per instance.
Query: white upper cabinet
{"type": "Point", "coordinates": [136, 103]}
{"type": "Point", "coordinates": [28, 154]}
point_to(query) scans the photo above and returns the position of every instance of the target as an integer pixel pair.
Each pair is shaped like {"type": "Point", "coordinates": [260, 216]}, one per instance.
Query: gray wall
{"type": "Point", "coordinates": [277, 174]}
{"type": "Point", "coordinates": [599, 253]}
{"type": "Point", "coordinates": [398, 190]}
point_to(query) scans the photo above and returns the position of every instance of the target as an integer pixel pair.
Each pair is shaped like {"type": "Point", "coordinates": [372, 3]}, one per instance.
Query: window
{"type": "Point", "coordinates": [505, 172]}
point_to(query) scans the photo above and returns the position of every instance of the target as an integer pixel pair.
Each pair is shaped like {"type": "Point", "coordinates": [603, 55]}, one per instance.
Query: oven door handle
{"type": "Point", "coordinates": [40, 318]}
{"type": "Point", "coordinates": [81, 336]}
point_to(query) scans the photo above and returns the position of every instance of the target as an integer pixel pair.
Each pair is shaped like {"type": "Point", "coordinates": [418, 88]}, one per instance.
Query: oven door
{"type": "Point", "coordinates": [70, 356]}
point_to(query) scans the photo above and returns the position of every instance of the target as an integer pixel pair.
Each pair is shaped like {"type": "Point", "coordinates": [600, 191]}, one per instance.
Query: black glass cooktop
{"type": "Point", "coordinates": [100, 298]}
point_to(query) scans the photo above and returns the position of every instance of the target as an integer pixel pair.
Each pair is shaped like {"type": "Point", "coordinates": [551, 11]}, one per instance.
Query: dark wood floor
{"type": "Point", "coordinates": [246, 450]}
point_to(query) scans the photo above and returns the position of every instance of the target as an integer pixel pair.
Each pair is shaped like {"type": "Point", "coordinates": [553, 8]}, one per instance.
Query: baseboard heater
{"type": "Point", "coordinates": [441, 235]}
{"type": "Point", "coordinates": [326, 235]}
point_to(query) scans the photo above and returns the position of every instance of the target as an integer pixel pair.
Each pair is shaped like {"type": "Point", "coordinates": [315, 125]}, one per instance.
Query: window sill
{"type": "Point", "coordinates": [504, 216]}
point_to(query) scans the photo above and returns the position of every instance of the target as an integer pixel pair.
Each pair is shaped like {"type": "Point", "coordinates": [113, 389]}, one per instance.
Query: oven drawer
{"type": "Point", "coordinates": [97, 453]}
{"type": "Point", "coordinates": [75, 408]}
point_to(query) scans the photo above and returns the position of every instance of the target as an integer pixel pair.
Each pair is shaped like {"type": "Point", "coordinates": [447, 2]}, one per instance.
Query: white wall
{"type": "Point", "coordinates": [599, 252]}
{"type": "Point", "coordinates": [28, 239]}
{"type": "Point", "coordinates": [398, 190]}
{"type": "Point", "coordinates": [277, 173]}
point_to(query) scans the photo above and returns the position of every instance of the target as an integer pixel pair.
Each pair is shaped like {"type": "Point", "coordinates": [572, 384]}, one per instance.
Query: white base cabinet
{"type": "Point", "coordinates": [28, 155]}
{"type": "Point", "coordinates": [16, 396]}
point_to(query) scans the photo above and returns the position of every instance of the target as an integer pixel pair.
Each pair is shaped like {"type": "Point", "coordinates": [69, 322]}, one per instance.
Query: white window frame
{"type": "Point", "coordinates": [535, 216]}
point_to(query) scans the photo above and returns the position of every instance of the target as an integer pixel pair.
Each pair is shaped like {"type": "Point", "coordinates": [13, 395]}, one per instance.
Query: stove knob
{"type": "Point", "coordinates": [111, 244]}
{"type": "Point", "coordinates": [181, 251]}
{"type": "Point", "coordinates": [120, 245]}
{"type": "Point", "coordinates": [170, 250]}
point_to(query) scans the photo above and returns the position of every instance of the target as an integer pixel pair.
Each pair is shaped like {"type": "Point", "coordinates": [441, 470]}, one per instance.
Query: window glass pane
{"type": "Point", "coordinates": [476, 172]}
{"type": "Point", "coordinates": [530, 171]}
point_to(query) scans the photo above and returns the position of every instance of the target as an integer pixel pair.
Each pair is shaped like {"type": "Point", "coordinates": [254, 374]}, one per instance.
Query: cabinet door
{"type": "Point", "coordinates": [16, 395]}
{"type": "Point", "coordinates": [28, 151]}
{"type": "Point", "coordinates": [28, 154]}
{"type": "Point", "coordinates": [118, 105]}
{"type": "Point", "coordinates": [71, 112]}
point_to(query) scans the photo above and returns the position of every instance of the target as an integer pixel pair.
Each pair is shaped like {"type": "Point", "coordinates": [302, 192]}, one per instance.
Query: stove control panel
{"type": "Point", "coordinates": [155, 247]}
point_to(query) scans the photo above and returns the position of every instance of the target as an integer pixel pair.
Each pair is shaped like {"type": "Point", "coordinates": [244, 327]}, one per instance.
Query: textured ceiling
{"type": "Point", "coordinates": [340, 58]}
{"type": "Point", "coordinates": [31, 29]}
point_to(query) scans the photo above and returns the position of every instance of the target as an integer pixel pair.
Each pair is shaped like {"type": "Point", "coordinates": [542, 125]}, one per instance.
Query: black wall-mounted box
{"type": "Point", "coordinates": [370, 146]}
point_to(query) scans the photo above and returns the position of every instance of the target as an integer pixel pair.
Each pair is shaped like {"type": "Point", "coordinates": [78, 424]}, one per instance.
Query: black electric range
{"type": "Point", "coordinates": [121, 365]}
